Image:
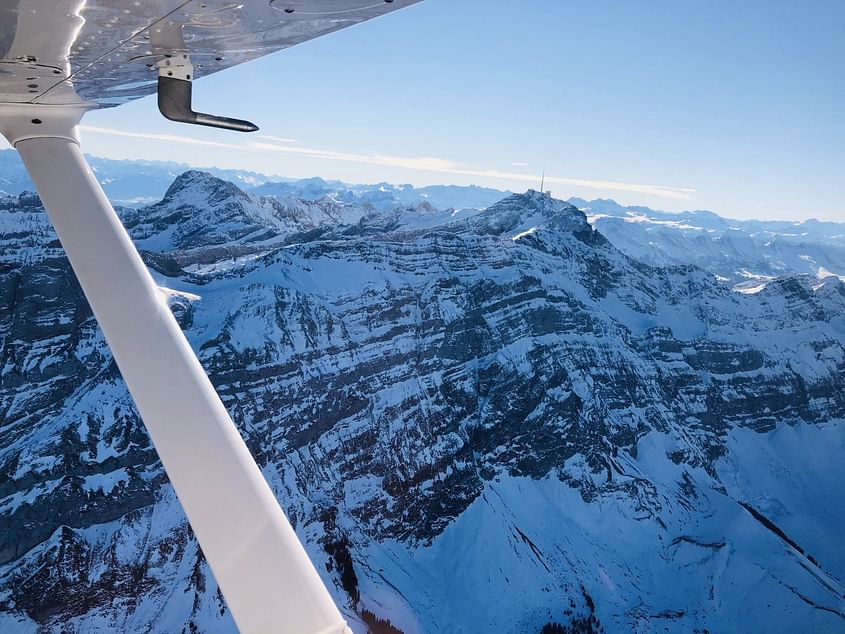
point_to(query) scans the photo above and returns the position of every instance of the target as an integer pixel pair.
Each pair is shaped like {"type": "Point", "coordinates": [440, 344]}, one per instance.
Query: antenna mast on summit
{"type": "Point", "coordinates": [543, 180]}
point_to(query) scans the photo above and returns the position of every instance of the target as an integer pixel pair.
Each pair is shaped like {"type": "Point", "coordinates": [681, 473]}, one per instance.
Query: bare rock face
{"type": "Point", "coordinates": [489, 422]}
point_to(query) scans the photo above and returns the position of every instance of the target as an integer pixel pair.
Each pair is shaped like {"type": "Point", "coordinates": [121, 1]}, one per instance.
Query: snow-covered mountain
{"type": "Point", "coordinates": [128, 183]}
{"type": "Point", "coordinates": [476, 421]}
{"type": "Point", "coordinates": [743, 253]}
{"type": "Point", "coordinates": [384, 196]}
{"type": "Point", "coordinates": [135, 183]}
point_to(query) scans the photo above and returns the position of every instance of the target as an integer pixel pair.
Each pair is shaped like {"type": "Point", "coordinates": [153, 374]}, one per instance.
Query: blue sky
{"type": "Point", "coordinates": [731, 106]}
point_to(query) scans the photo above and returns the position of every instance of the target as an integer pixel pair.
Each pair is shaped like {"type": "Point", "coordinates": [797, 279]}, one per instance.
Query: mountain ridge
{"type": "Point", "coordinates": [452, 408]}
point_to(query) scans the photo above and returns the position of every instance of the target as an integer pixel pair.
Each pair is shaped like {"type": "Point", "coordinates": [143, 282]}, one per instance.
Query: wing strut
{"type": "Point", "coordinates": [263, 571]}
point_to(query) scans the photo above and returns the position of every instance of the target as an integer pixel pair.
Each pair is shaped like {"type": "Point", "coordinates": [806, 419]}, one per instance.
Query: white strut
{"type": "Point", "coordinates": [268, 581]}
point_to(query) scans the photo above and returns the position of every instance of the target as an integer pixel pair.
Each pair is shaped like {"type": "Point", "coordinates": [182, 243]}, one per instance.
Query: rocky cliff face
{"type": "Point", "coordinates": [482, 423]}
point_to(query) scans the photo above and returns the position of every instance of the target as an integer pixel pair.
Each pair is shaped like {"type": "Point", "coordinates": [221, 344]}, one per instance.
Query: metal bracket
{"type": "Point", "coordinates": [175, 73]}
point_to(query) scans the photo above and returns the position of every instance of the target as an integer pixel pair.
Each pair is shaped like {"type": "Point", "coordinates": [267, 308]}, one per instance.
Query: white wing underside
{"type": "Point", "coordinates": [106, 51]}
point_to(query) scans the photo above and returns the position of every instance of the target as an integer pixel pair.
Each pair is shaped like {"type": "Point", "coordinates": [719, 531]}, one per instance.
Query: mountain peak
{"type": "Point", "coordinates": [203, 185]}
{"type": "Point", "coordinates": [198, 209]}
{"type": "Point", "coordinates": [535, 201]}
{"type": "Point", "coordinates": [519, 213]}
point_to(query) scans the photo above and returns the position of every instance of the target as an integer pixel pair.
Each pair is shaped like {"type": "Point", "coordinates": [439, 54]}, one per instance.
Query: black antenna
{"type": "Point", "coordinates": [543, 180]}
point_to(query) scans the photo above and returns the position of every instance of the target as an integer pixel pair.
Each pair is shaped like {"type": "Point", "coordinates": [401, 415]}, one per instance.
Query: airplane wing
{"type": "Point", "coordinates": [108, 52]}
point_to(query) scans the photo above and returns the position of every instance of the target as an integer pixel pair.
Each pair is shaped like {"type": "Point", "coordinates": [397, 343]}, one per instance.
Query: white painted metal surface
{"type": "Point", "coordinates": [115, 45]}
{"type": "Point", "coordinates": [269, 583]}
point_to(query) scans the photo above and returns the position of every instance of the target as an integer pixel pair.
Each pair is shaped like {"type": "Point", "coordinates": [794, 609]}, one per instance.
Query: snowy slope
{"type": "Point", "coordinates": [745, 254]}
{"type": "Point", "coordinates": [482, 421]}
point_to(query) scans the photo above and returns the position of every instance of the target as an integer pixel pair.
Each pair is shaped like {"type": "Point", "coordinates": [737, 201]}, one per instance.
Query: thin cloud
{"type": "Point", "coordinates": [277, 138]}
{"type": "Point", "coordinates": [170, 138]}
{"type": "Point", "coordinates": [420, 163]}
{"type": "Point", "coordinates": [518, 164]}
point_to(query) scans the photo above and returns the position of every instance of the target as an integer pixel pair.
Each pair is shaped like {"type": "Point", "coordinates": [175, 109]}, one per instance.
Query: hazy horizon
{"type": "Point", "coordinates": [560, 194]}
{"type": "Point", "coordinates": [731, 107]}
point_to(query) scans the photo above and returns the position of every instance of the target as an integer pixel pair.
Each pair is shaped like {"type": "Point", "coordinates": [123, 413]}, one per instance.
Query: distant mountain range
{"type": "Point", "coordinates": [745, 254]}
{"type": "Point", "coordinates": [127, 183]}
{"type": "Point", "coordinates": [477, 421]}
{"type": "Point", "coordinates": [139, 183]}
